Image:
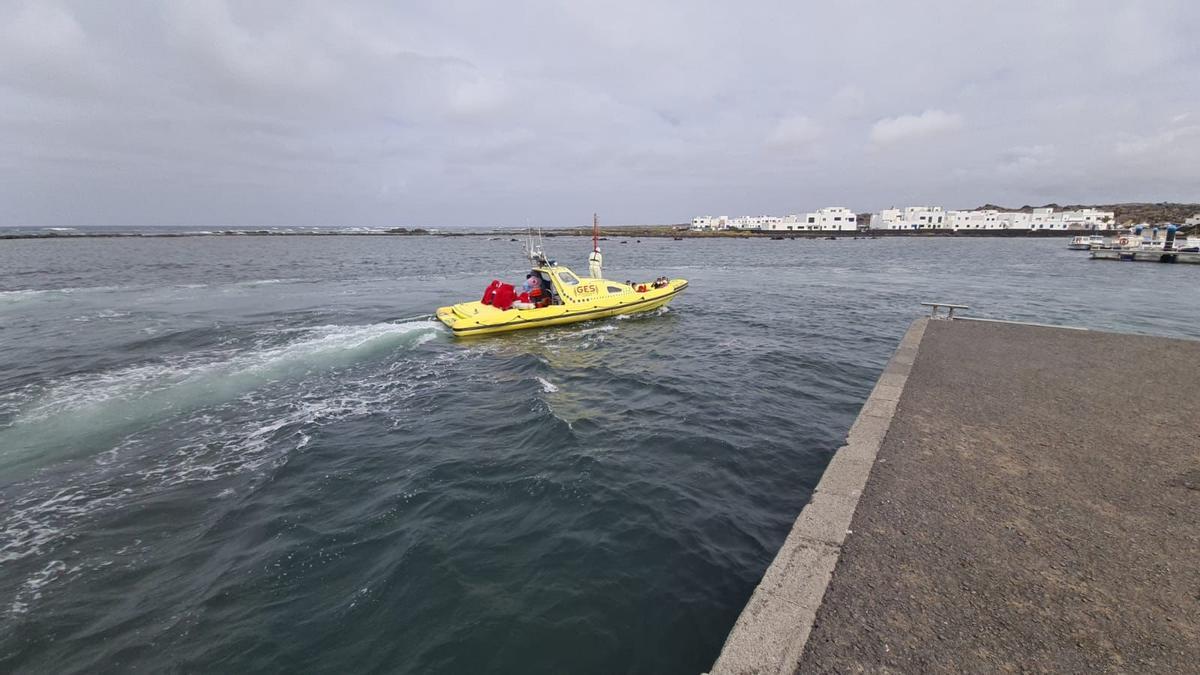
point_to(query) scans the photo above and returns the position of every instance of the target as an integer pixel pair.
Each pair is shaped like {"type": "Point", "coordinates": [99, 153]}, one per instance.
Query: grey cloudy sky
{"type": "Point", "coordinates": [134, 112]}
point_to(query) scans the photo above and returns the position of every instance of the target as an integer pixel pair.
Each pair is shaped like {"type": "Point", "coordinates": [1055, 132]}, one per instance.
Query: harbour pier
{"type": "Point", "coordinates": [1147, 256]}
{"type": "Point", "coordinates": [1012, 497]}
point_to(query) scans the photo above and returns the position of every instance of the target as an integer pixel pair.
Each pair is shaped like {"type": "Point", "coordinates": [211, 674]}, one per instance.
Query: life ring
{"type": "Point", "coordinates": [1123, 241]}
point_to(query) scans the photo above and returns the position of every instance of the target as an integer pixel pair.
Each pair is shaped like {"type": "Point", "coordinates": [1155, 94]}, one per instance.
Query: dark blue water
{"type": "Point", "coordinates": [258, 452]}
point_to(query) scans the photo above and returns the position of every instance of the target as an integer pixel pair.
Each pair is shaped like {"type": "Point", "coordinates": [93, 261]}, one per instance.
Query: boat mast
{"type": "Point", "coordinates": [594, 258]}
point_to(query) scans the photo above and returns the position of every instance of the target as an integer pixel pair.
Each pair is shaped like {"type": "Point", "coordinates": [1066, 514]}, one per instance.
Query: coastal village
{"type": "Point", "coordinates": [841, 219]}
{"type": "Point", "coordinates": [917, 218]}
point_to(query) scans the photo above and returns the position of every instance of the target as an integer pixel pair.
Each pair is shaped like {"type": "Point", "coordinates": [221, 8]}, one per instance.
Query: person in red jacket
{"type": "Point", "coordinates": [536, 296]}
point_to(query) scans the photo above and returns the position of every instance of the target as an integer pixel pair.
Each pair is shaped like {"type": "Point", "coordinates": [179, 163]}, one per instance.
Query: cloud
{"type": "Point", "coordinates": [40, 31]}
{"type": "Point", "coordinates": [45, 51]}
{"type": "Point", "coordinates": [478, 98]}
{"type": "Point", "coordinates": [377, 112]}
{"type": "Point", "coordinates": [281, 58]}
{"type": "Point", "coordinates": [1026, 158]}
{"type": "Point", "coordinates": [794, 131]}
{"type": "Point", "coordinates": [1175, 139]}
{"type": "Point", "coordinates": [893, 130]}
{"type": "Point", "coordinates": [849, 101]}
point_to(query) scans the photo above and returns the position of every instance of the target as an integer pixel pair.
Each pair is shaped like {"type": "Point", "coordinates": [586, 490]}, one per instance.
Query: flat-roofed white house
{"type": "Point", "coordinates": [910, 218]}
{"type": "Point", "coordinates": [831, 218]}
{"type": "Point", "coordinates": [1082, 219]}
{"type": "Point", "coordinates": [710, 223]}
{"type": "Point", "coordinates": [1015, 220]}
{"type": "Point", "coordinates": [755, 223]}
{"type": "Point", "coordinates": [1088, 219]}
{"type": "Point", "coordinates": [926, 217]}
{"type": "Point", "coordinates": [888, 219]}
{"type": "Point", "coordinates": [834, 218]}
{"type": "Point", "coordinates": [1194, 220]}
{"type": "Point", "coordinates": [1040, 219]}
{"type": "Point", "coordinates": [1043, 218]}
{"type": "Point", "coordinates": [988, 219]}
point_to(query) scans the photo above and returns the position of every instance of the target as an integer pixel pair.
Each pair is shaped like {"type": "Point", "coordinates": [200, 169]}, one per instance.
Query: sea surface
{"type": "Point", "coordinates": [233, 454]}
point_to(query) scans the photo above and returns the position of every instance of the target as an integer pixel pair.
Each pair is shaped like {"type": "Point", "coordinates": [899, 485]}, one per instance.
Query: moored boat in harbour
{"type": "Point", "coordinates": [1085, 242]}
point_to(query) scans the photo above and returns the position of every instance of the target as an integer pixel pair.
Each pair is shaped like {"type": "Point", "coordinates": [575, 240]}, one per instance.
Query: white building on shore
{"type": "Point", "coordinates": [834, 218]}
{"type": "Point", "coordinates": [710, 223]}
{"type": "Point", "coordinates": [910, 218]}
{"type": "Point", "coordinates": [988, 219]}
{"type": "Point", "coordinates": [934, 218]}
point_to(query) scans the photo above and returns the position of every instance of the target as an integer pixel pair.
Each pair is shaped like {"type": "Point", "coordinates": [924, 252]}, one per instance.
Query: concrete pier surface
{"type": "Point", "coordinates": [1011, 498]}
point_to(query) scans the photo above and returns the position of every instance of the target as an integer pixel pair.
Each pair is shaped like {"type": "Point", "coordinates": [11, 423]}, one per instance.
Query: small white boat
{"type": "Point", "coordinates": [1087, 242]}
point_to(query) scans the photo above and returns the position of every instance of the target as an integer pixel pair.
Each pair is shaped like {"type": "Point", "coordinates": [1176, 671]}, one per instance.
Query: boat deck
{"type": "Point", "coordinates": [1033, 503]}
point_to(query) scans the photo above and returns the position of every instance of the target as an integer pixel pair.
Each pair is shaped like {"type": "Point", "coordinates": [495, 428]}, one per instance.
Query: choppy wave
{"type": "Point", "coordinates": [116, 401]}
{"type": "Point", "coordinates": [27, 295]}
{"type": "Point", "coordinates": [48, 514]}
{"type": "Point", "coordinates": [31, 589]}
{"type": "Point", "coordinates": [586, 335]}
{"type": "Point", "coordinates": [20, 295]}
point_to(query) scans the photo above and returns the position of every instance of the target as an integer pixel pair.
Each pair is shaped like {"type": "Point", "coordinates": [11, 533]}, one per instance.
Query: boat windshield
{"type": "Point", "coordinates": [568, 278]}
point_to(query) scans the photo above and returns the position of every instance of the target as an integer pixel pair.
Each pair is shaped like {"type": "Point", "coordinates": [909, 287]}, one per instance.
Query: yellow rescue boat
{"type": "Point", "coordinates": [572, 297]}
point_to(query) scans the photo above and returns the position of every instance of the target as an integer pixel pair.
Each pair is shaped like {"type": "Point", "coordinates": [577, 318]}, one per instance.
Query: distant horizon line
{"type": "Point", "coordinates": [587, 224]}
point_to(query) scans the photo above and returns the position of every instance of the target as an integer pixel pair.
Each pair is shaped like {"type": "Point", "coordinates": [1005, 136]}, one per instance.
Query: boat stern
{"type": "Point", "coordinates": [446, 315]}
{"type": "Point", "coordinates": [454, 316]}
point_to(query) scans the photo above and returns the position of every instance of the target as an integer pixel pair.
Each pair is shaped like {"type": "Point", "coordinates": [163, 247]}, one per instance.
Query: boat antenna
{"type": "Point", "coordinates": [535, 248]}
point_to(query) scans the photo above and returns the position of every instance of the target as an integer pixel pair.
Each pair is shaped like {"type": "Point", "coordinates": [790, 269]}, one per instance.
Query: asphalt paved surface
{"type": "Point", "coordinates": [1035, 506]}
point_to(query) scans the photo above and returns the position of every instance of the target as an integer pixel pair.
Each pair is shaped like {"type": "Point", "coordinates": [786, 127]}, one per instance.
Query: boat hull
{"type": "Point", "coordinates": [476, 318]}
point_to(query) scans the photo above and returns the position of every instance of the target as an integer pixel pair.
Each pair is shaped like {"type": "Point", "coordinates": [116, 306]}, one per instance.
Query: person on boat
{"type": "Point", "coordinates": [548, 288]}
{"type": "Point", "coordinates": [537, 294]}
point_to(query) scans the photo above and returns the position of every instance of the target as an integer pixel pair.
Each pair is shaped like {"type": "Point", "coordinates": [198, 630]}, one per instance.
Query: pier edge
{"type": "Point", "coordinates": [773, 628]}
